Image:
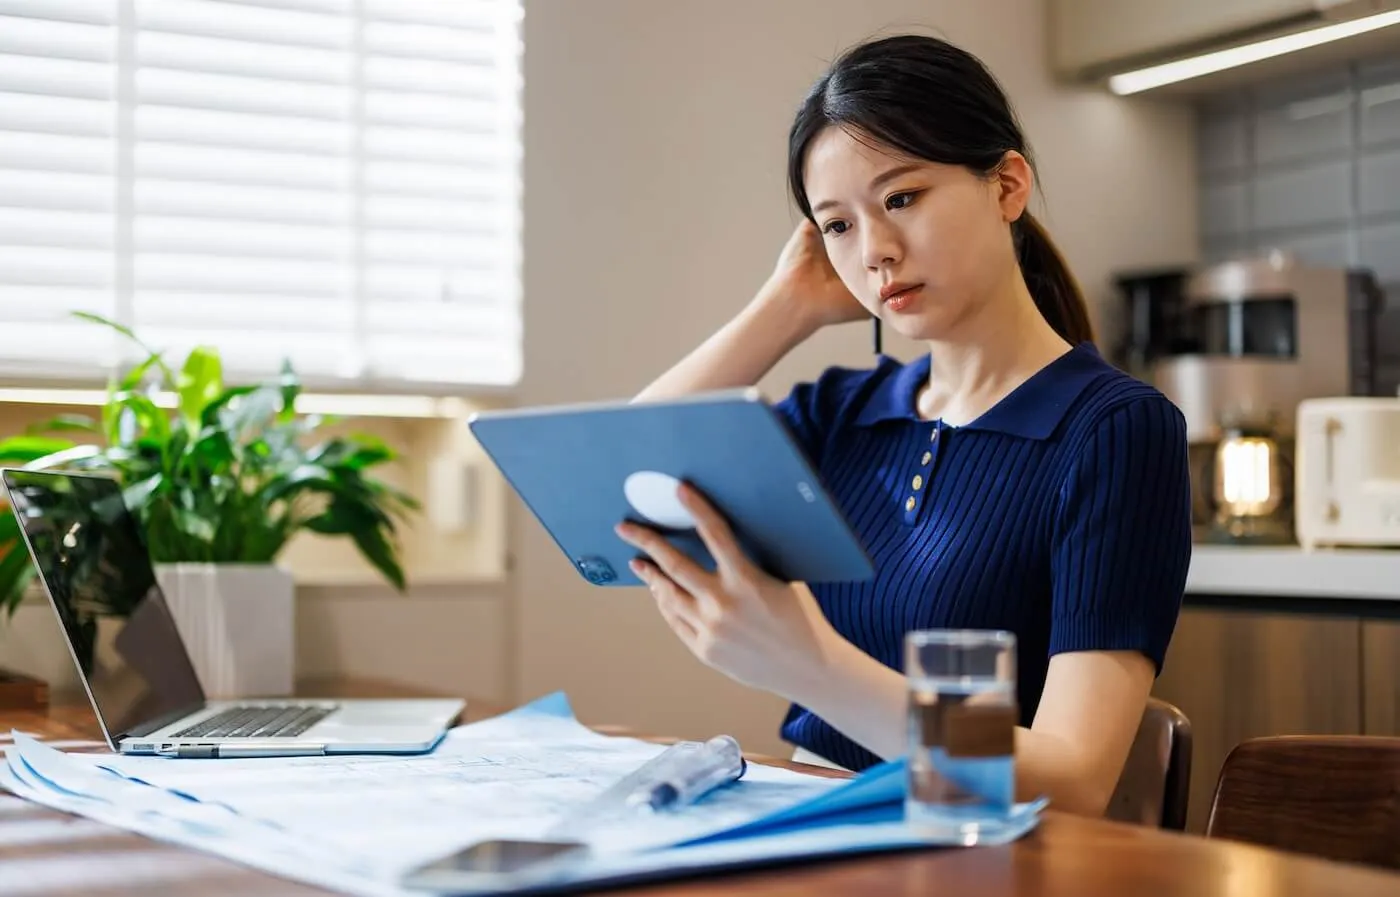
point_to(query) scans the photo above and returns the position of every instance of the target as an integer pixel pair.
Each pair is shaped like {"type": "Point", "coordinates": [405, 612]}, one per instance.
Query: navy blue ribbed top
{"type": "Point", "coordinates": [1062, 514]}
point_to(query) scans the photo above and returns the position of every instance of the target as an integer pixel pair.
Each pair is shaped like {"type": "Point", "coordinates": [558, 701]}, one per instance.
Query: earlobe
{"type": "Point", "coordinates": [1015, 180]}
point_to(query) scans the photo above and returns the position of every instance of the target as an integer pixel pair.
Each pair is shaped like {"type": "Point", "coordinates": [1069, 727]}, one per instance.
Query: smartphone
{"type": "Point", "coordinates": [494, 861]}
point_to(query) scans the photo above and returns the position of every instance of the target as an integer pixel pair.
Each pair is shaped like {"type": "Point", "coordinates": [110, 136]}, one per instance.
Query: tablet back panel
{"type": "Point", "coordinates": [582, 469]}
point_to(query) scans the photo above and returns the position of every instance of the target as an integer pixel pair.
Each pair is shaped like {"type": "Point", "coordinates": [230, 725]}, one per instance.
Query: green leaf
{"type": "Point", "coordinates": [250, 413]}
{"type": "Point", "coordinates": [211, 414]}
{"type": "Point", "coordinates": [377, 550]}
{"type": "Point", "coordinates": [281, 447]}
{"type": "Point", "coordinates": [77, 456]}
{"type": "Point", "coordinates": [193, 525]}
{"type": "Point", "coordinates": [290, 385]}
{"type": "Point", "coordinates": [403, 500]}
{"type": "Point", "coordinates": [139, 417]}
{"type": "Point", "coordinates": [108, 322]}
{"type": "Point", "coordinates": [64, 423]}
{"type": "Point", "coordinates": [304, 476]}
{"type": "Point", "coordinates": [330, 453]}
{"type": "Point", "coordinates": [210, 450]}
{"type": "Point", "coordinates": [201, 381]}
{"type": "Point", "coordinates": [137, 375]}
{"type": "Point", "coordinates": [137, 494]}
{"type": "Point", "coordinates": [328, 524]}
{"type": "Point", "coordinates": [152, 356]}
{"type": "Point", "coordinates": [265, 538]}
{"type": "Point", "coordinates": [341, 517]}
{"type": "Point", "coordinates": [110, 414]}
{"type": "Point", "coordinates": [368, 456]}
{"type": "Point", "coordinates": [16, 569]}
{"type": "Point", "coordinates": [27, 449]}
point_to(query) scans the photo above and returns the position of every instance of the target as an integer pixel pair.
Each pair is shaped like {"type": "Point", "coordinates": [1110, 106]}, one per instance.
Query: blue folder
{"type": "Point", "coordinates": [861, 816]}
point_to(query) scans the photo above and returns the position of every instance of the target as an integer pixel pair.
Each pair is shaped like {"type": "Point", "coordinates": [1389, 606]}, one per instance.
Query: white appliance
{"type": "Point", "coordinates": [1347, 472]}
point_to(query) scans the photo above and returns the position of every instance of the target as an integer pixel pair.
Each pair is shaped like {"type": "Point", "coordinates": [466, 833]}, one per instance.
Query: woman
{"type": "Point", "coordinates": [1009, 479]}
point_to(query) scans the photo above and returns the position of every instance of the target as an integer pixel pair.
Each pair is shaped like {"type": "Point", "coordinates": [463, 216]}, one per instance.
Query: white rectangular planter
{"type": "Point", "coordinates": [238, 622]}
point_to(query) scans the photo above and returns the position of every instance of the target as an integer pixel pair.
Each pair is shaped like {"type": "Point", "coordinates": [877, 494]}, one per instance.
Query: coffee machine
{"type": "Point", "coordinates": [1236, 346]}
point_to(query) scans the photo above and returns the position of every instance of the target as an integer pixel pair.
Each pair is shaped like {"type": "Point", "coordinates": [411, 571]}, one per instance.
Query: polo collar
{"type": "Point", "coordinates": [1031, 411]}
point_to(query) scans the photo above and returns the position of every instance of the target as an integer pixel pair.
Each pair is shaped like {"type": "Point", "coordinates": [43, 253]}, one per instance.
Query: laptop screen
{"type": "Point", "coordinates": [91, 555]}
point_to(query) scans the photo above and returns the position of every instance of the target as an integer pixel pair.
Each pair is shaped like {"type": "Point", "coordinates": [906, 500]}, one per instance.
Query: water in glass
{"type": "Point", "coordinates": [962, 727]}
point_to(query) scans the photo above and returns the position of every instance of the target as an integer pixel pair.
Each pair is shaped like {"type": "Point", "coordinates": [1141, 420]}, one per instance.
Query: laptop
{"type": "Point", "coordinates": [583, 468]}
{"type": "Point", "coordinates": [91, 556]}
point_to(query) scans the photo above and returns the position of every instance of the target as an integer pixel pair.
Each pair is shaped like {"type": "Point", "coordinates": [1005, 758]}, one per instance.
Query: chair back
{"type": "Point", "coordinates": [1154, 786]}
{"type": "Point", "coordinates": [1330, 796]}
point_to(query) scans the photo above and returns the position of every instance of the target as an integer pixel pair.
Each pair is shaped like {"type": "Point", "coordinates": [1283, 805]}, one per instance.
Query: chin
{"type": "Point", "coordinates": [920, 328]}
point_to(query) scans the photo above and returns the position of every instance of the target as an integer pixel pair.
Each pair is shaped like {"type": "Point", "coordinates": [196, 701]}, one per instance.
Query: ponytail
{"type": "Point", "coordinates": [1052, 286]}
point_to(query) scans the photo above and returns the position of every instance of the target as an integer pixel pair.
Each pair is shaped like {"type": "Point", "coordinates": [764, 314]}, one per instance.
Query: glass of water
{"type": "Point", "coordinates": [962, 731]}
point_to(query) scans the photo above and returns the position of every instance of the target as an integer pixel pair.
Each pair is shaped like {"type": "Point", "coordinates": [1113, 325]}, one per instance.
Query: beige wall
{"type": "Point", "coordinates": [654, 204]}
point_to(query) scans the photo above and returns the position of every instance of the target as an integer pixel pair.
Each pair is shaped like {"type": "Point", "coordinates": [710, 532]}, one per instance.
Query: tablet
{"type": "Point", "coordinates": [582, 469]}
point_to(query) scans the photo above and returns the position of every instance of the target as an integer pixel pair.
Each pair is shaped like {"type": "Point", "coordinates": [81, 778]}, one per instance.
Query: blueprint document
{"type": "Point", "coordinates": [357, 824]}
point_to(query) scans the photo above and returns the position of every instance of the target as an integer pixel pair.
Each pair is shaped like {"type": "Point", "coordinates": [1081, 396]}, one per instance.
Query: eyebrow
{"type": "Point", "coordinates": [878, 181]}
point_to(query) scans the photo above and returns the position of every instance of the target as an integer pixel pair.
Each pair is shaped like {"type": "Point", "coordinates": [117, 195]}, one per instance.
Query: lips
{"type": "Point", "coordinates": [897, 295]}
{"type": "Point", "coordinates": [892, 289]}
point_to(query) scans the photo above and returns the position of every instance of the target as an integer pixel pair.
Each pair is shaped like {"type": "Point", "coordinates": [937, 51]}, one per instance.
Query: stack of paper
{"type": "Point", "coordinates": [357, 824]}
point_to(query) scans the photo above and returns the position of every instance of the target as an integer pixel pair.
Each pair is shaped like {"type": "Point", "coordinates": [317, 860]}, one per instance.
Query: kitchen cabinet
{"type": "Point", "coordinates": [1380, 679]}
{"type": "Point", "coordinates": [1240, 674]}
{"type": "Point", "coordinates": [1092, 39]}
{"type": "Point", "coordinates": [1275, 640]}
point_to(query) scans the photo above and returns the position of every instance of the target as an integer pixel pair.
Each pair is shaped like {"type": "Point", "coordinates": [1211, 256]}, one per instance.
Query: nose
{"type": "Point", "coordinates": [880, 247]}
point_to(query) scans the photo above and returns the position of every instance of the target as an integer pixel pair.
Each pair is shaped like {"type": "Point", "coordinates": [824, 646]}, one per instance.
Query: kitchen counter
{"type": "Point", "coordinates": [1290, 572]}
{"type": "Point", "coordinates": [1281, 641]}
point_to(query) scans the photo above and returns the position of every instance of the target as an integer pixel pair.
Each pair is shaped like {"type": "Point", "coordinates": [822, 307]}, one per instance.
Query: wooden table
{"type": "Point", "coordinates": [54, 853]}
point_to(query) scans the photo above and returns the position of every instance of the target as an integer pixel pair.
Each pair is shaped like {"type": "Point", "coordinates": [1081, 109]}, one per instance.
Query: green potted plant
{"type": "Point", "coordinates": [220, 483]}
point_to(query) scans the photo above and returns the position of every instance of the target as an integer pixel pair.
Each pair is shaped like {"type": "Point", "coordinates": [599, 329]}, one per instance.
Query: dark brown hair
{"type": "Point", "coordinates": [930, 100]}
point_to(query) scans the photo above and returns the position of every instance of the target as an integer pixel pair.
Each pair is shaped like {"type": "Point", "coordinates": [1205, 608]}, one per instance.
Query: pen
{"type": "Point", "coordinates": [715, 763]}
{"type": "Point", "coordinates": [678, 776]}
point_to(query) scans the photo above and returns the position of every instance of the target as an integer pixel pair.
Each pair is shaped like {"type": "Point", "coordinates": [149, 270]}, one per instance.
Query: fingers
{"type": "Point", "coordinates": [715, 532]}
{"type": "Point", "coordinates": [677, 608]}
{"type": "Point", "coordinates": [673, 563]}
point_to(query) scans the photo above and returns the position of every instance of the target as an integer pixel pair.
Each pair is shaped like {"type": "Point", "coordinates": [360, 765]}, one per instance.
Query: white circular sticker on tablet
{"type": "Point", "coordinates": [653, 495]}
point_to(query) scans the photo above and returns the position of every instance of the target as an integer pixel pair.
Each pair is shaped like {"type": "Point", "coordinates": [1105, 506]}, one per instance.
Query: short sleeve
{"type": "Point", "coordinates": [813, 410]}
{"type": "Point", "coordinates": [1122, 542]}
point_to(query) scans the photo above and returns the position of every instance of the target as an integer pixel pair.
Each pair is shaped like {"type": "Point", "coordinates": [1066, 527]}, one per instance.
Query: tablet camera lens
{"type": "Point", "coordinates": [596, 570]}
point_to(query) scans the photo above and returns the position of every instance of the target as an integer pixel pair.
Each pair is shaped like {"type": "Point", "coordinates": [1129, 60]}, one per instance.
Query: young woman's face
{"type": "Point", "coordinates": [920, 244]}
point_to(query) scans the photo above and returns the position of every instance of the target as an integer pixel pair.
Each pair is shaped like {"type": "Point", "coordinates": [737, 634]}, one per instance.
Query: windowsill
{"type": "Point", "coordinates": [386, 405]}
{"type": "Point", "coordinates": [471, 586]}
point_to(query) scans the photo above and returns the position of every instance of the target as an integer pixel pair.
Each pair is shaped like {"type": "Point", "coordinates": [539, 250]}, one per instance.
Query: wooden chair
{"type": "Point", "coordinates": [1155, 784]}
{"type": "Point", "coordinates": [1331, 796]}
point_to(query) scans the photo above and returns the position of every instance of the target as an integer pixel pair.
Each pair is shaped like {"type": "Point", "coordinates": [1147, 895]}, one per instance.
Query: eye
{"type": "Point", "coordinates": [901, 200]}
{"type": "Point", "coordinates": [836, 227]}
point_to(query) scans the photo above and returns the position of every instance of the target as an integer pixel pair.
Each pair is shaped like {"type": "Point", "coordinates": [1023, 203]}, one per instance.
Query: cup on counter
{"type": "Point", "coordinates": [962, 716]}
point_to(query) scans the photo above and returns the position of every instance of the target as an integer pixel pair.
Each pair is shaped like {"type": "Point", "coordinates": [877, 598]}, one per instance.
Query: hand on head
{"type": "Point", "coordinates": [805, 274]}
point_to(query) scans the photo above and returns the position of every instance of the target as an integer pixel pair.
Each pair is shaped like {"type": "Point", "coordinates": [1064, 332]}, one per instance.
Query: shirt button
{"type": "Point", "coordinates": [909, 505]}
{"type": "Point", "coordinates": [928, 456]}
{"type": "Point", "coordinates": [918, 482]}
{"type": "Point", "coordinates": [933, 437]}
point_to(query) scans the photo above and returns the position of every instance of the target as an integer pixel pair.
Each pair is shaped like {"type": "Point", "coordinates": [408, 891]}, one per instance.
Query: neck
{"type": "Point", "coordinates": [992, 353]}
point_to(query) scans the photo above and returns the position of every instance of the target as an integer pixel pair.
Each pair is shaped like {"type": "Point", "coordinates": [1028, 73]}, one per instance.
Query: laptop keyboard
{"type": "Point", "coordinates": [254, 721]}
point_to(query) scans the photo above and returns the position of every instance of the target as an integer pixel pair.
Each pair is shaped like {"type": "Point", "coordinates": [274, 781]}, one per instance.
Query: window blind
{"type": "Point", "coordinates": [335, 182]}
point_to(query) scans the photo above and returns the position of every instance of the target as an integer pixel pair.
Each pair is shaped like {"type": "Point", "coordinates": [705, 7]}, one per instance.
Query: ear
{"type": "Point", "coordinates": [1014, 182]}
